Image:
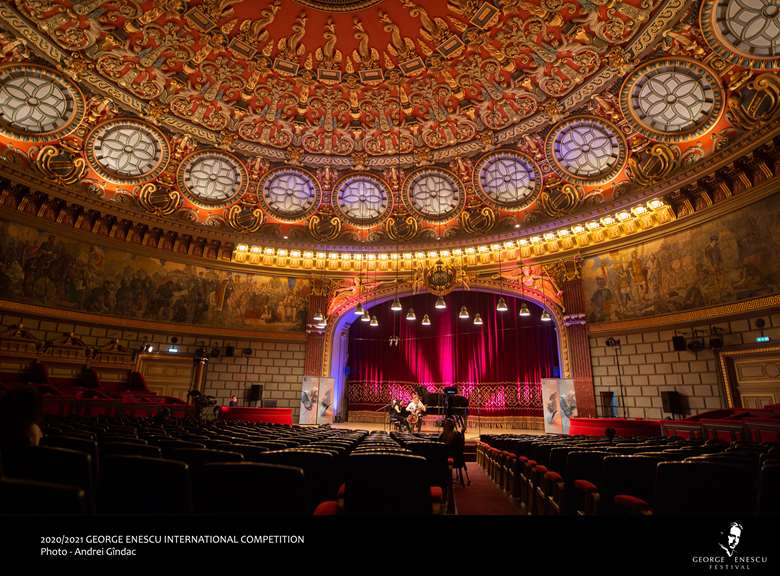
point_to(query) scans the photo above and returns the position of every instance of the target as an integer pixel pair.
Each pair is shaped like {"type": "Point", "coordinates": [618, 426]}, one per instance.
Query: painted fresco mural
{"type": "Point", "coordinates": [38, 268]}
{"type": "Point", "coordinates": [734, 258]}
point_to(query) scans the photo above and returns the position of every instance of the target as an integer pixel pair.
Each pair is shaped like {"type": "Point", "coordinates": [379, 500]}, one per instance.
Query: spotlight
{"type": "Point", "coordinates": [501, 306]}
{"type": "Point", "coordinates": [148, 348]}
{"type": "Point", "coordinates": [410, 315]}
{"type": "Point", "coordinates": [426, 321]}
{"type": "Point", "coordinates": [247, 351]}
{"type": "Point", "coordinates": [173, 348]}
{"type": "Point", "coordinates": [545, 317]}
{"type": "Point", "coordinates": [374, 321]}
{"type": "Point", "coordinates": [318, 317]}
{"type": "Point", "coordinates": [477, 319]}
{"type": "Point", "coordinates": [612, 342]}
{"type": "Point", "coordinates": [214, 352]}
{"type": "Point", "coordinates": [464, 313]}
{"type": "Point", "coordinates": [524, 311]}
{"type": "Point", "coordinates": [396, 305]}
{"type": "Point", "coordinates": [440, 303]}
{"type": "Point", "coordinates": [359, 309]}
{"type": "Point", "coordinates": [365, 317]}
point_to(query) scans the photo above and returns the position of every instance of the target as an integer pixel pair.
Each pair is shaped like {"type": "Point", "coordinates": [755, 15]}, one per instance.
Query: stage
{"type": "Point", "coordinates": [472, 433]}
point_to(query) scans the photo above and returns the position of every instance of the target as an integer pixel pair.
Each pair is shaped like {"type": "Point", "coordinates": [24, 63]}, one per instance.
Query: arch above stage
{"type": "Point", "coordinates": [341, 316]}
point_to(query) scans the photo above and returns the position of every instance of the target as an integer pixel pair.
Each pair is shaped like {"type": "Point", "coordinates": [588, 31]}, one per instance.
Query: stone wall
{"type": "Point", "coordinates": [650, 366]}
{"type": "Point", "coordinates": [278, 365]}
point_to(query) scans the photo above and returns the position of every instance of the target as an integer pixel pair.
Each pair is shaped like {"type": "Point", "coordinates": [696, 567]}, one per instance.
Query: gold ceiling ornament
{"type": "Point", "coordinates": [61, 164]}
{"type": "Point", "coordinates": [440, 278]}
{"type": "Point", "coordinates": [566, 270]}
{"type": "Point", "coordinates": [158, 200]}
{"type": "Point", "coordinates": [660, 161]}
{"type": "Point", "coordinates": [758, 103]}
{"type": "Point", "coordinates": [324, 231]}
{"type": "Point", "coordinates": [245, 217]}
{"type": "Point", "coordinates": [478, 220]}
{"type": "Point", "coordinates": [559, 200]}
{"type": "Point", "coordinates": [401, 228]}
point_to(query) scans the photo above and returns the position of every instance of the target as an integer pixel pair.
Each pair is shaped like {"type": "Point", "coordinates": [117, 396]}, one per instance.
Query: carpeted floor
{"type": "Point", "coordinates": [483, 497]}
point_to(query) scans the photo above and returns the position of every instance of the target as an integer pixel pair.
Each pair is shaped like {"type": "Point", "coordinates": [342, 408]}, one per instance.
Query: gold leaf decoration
{"type": "Point", "coordinates": [660, 162]}
{"type": "Point", "coordinates": [324, 231]}
{"type": "Point", "coordinates": [478, 222]}
{"type": "Point", "coordinates": [60, 165]}
{"type": "Point", "coordinates": [406, 230]}
{"type": "Point", "coordinates": [759, 102]}
{"type": "Point", "coordinates": [559, 201]}
{"type": "Point", "coordinates": [244, 218]}
{"type": "Point", "coordinates": [159, 201]}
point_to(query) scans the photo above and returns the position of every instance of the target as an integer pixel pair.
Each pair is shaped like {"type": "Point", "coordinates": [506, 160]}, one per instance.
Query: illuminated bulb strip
{"type": "Point", "coordinates": [605, 221]}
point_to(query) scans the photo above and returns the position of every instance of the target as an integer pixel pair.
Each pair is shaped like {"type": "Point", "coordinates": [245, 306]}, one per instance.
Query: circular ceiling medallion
{"type": "Point", "coordinates": [586, 149]}
{"type": "Point", "coordinates": [434, 194]}
{"type": "Point", "coordinates": [126, 150]}
{"type": "Point", "coordinates": [36, 104]}
{"type": "Point", "coordinates": [338, 5]}
{"type": "Point", "coordinates": [507, 179]}
{"type": "Point", "coordinates": [362, 199]}
{"type": "Point", "coordinates": [672, 99]}
{"type": "Point", "coordinates": [290, 194]}
{"type": "Point", "coordinates": [745, 32]}
{"type": "Point", "coordinates": [212, 178]}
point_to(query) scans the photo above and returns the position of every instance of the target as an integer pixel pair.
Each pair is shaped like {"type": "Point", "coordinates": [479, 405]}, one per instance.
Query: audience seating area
{"type": "Point", "coordinates": [666, 476]}
{"type": "Point", "coordinates": [125, 465]}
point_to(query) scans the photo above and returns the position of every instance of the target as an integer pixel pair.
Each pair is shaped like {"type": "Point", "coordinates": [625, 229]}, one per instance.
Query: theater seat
{"type": "Point", "coordinates": [387, 483]}
{"type": "Point", "coordinates": [250, 489]}
{"type": "Point", "coordinates": [32, 497]}
{"type": "Point", "coordinates": [140, 485]}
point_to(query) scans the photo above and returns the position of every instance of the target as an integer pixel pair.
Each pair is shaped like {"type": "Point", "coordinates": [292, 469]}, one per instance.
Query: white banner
{"type": "Point", "coordinates": [316, 400]}
{"type": "Point", "coordinates": [560, 404]}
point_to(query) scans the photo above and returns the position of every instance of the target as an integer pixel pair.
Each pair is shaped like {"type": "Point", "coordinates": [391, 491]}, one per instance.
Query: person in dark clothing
{"type": "Point", "coordinates": [398, 417]}
{"type": "Point", "coordinates": [21, 416]}
{"type": "Point", "coordinates": [456, 445]}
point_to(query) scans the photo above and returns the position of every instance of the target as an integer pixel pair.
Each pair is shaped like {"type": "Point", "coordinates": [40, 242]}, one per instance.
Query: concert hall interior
{"type": "Point", "coordinates": [372, 257]}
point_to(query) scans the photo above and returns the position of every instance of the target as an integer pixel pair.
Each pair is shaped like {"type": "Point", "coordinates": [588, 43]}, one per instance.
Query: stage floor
{"type": "Point", "coordinates": [471, 433]}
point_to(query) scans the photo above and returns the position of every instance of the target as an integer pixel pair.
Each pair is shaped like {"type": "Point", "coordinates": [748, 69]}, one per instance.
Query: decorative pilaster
{"type": "Point", "coordinates": [315, 339]}
{"type": "Point", "coordinates": [568, 275]}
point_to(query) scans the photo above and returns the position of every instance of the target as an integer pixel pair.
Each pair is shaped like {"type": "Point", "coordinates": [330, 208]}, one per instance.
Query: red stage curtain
{"type": "Point", "coordinates": [452, 351]}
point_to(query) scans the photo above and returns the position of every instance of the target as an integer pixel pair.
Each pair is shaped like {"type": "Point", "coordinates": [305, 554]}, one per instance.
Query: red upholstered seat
{"type": "Point", "coordinates": [327, 508]}
{"type": "Point", "coordinates": [585, 486]}
{"type": "Point", "coordinates": [551, 476]}
{"type": "Point", "coordinates": [631, 505]}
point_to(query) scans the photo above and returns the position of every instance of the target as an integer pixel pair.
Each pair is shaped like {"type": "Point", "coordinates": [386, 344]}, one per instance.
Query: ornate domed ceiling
{"type": "Point", "coordinates": [376, 122]}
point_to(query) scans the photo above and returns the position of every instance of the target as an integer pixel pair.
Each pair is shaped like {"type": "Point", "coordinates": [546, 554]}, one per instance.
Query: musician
{"type": "Point", "coordinates": [416, 410]}
{"type": "Point", "coordinates": [398, 416]}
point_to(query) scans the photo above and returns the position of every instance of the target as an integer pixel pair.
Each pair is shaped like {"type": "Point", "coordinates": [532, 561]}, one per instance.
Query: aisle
{"type": "Point", "coordinates": [483, 497]}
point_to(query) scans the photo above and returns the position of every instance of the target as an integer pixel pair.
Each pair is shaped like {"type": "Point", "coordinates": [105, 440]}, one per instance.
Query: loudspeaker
{"type": "Point", "coordinates": [716, 342]}
{"type": "Point", "coordinates": [254, 393]}
{"type": "Point", "coordinates": [678, 343]}
{"type": "Point", "coordinates": [672, 401]}
{"type": "Point", "coordinates": [230, 351]}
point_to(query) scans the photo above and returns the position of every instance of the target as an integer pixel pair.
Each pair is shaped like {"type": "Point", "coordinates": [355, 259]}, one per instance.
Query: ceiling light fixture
{"type": "Point", "coordinates": [464, 313]}
{"type": "Point", "coordinates": [477, 319]}
{"type": "Point", "coordinates": [426, 321]}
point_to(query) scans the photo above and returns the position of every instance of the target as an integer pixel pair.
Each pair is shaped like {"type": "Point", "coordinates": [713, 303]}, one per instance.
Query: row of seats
{"type": "Point", "coordinates": [557, 474]}
{"type": "Point", "coordinates": [141, 466]}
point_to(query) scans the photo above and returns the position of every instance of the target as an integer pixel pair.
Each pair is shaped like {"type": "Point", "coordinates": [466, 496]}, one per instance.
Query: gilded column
{"type": "Point", "coordinates": [568, 273]}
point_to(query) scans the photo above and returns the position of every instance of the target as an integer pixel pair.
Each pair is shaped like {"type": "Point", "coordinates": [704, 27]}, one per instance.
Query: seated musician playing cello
{"type": "Point", "coordinates": [398, 416]}
{"type": "Point", "coordinates": [416, 410]}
